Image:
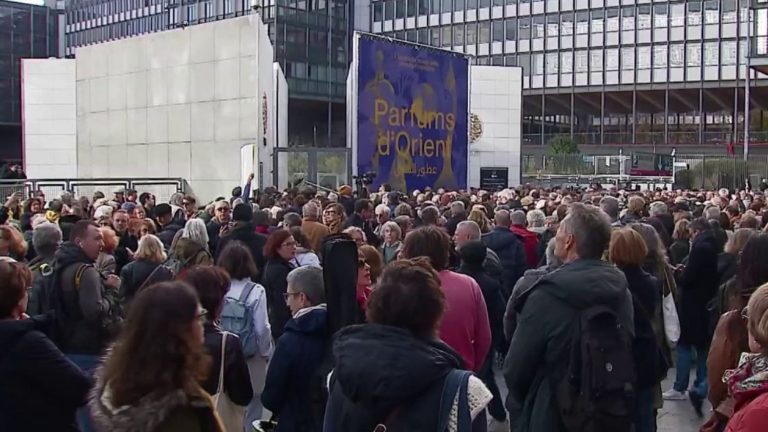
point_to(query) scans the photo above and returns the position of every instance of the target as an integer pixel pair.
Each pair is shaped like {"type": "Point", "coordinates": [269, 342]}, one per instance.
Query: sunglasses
{"type": "Point", "coordinates": [361, 263]}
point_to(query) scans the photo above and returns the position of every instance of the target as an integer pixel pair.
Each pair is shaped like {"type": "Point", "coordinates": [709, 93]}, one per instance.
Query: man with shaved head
{"type": "Point", "coordinates": [509, 249]}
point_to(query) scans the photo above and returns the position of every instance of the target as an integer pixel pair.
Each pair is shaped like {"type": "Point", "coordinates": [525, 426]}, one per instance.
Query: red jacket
{"type": "Point", "coordinates": [530, 245]}
{"type": "Point", "coordinates": [752, 417]}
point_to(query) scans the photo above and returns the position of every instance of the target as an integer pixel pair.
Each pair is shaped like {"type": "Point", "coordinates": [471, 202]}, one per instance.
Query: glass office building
{"type": "Point", "coordinates": [26, 31]}
{"type": "Point", "coordinates": [310, 38]}
{"type": "Point", "coordinates": [611, 74]}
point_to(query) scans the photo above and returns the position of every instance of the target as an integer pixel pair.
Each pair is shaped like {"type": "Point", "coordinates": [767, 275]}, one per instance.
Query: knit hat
{"type": "Point", "coordinates": [242, 213]}
{"type": "Point", "coordinates": [129, 207]}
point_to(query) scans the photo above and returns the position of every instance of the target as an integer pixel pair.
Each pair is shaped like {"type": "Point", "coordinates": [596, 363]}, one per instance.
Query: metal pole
{"type": "Point", "coordinates": [746, 92]}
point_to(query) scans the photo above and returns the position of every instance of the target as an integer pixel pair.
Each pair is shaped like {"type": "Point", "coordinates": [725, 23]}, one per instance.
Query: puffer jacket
{"type": "Point", "coordinates": [511, 253]}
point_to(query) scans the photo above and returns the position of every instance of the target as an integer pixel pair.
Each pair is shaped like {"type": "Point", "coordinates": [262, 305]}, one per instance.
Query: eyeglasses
{"type": "Point", "coordinates": [361, 263]}
{"type": "Point", "coordinates": [287, 295]}
{"type": "Point", "coordinates": [202, 314]}
{"type": "Point", "coordinates": [745, 313]}
{"type": "Point", "coordinates": [289, 243]}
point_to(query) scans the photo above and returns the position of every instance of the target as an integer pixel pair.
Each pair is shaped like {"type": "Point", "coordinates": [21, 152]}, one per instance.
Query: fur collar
{"type": "Point", "coordinates": [146, 415]}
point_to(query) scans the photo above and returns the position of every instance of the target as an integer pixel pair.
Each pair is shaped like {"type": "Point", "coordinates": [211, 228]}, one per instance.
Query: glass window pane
{"type": "Point", "coordinates": [566, 62]}
{"type": "Point", "coordinates": [470, 34]}
{"type": "Point", "coordinates": [552, 63]}
{"type": "Point", "coordinates": [423, 36]}
{"type": "Point", "coordinates": [511, 25]}
{"type": "Point", "coordinates": [524, 28]}
{"type": "Point", "coordinates": [694, 13]}
{"type": "Point", "coordinates": [596, 60]}
{"type": "Point", "coordinates": [434, 36]}
{"type": "Point", "coordinates": [612, 20]}
{"type": "Point", "coordinates": [538, 26]}
{"type": "Point", "coordinates": [643, 17]}
{"type": "Point", "coordinates": [471, 4]}
{"type": "Point", "coordinates": [446, 39]}
{"type": "Point", "coordinates": [400, 8]}
{"type": "Point", "coordinates": [711, 12]}
{"type": "Point", "coordinates": [728, 53]}
{"type": "Point", "coordinates": [711, 53]}
{"type": "Point", "coordinates": [582, 61]}
{"type": "Point", "coordinates": [538, 64]}
{"type": "Point", "coordinates": [497, 30]}
{"type": "Point", "coordinates": [485, 3]}
{"type": "Point", "coordinates": [660, 16]}
{"type": "Point", "coordinates": [435, 6]}
{"type": "Point", "coordinates": [729, 11]}
{"type": "Point", "coordinates": [484, 32]}
{"type": "Point", "coordinates": [676, 55]}
{"type": "Point", "coordinates": [677, 14]}
{"type": "Point", "coordinates": [378, 12]}
{"type": "Point", "coordinates": [644, 57]}
{"type": "Point", "coordinates": [566, 23]}
{"type": "Point", "coordinates": [612, 59]}
{"type": "Point", "coordinates": [423, 7]}
{"type": "Point", "coordinates": [458, 35]}
{"type": "Point", "coordinates": [553, 25]}
{"type": "Point", "coordinates": [411, 8]}
{"type": "Point", "coordinates": [693, 54]}
{"type": "Point", "coordinates": [582, 22]}
{"type": "Point", "coordinates": [524, 61]}
{"type": "Point", "coordinates": [659, 56]}
{"type": "Point", "coordinates": [447, 5]}
{"type": "Point", "coordinates": [597, 21]}
{"type": "Point", "coordinates": [628, 18]}
{"type": "Point", "coordinates": [627, 58]}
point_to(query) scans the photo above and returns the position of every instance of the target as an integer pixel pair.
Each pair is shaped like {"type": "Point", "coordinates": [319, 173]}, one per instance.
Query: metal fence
{"type": "Point", "coordinates": [162, 188]}
{"type": "Point", "coordinates": [691, 171]}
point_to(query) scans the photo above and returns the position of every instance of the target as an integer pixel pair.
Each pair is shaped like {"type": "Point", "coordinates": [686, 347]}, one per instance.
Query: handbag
{"type": "Point", "coordinates": [232, 415]}
{"type": "Point", "coordinates": [671, 319]}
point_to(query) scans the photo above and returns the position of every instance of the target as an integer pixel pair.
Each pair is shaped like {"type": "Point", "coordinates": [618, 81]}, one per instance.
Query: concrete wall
{"type": "Point", "coordinates": [496, 97]}
{"type": "Point", "coordinates": [280, 122]}
{"type": "Point", "coordinates": [179, 103]}
{"type": "Point", "coordinates": [48, 118]}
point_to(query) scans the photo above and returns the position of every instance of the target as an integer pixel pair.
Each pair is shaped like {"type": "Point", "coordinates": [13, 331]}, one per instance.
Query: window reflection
{"type": "Point", "coordinates": [552, 63]}
{"type": "Point", "coordinates": [566, 23]}
{"type": "Point", "coordinates": [612, 59]}
{"type": "Point", "coordinates": [711, 12]}
{"type": "Point", "coordinates": [659, 56]}
{"type": "Point", "coordinates": [612, 20]}
{"type": "Point", "coordinates": [676, 55]}
{"type": "Point", "coordinates": [627, 58]}
{"type": "Point", "coordinates": [660, 16]}
{"type": "Point", "coordinates": [729, 53]}
{"type": "Point", "coordinates": [677, 14]}
{"type": "Point", "coordinates": [643, 17]}
{"type": "Point", "coordinates": [582, 61]}
{"type": "Point", "coordinates": [711, 53]}
{"type": "Point", "coordinates": [644, 57]}
{"type": "Point", "coordinates": [566, 62]}
{"type": "Point", "coordinates": [582, 22]}
{"type": "Point", "coordinates": [694, 13]}
{"type": "Point", "coordinates": [693, 54]}
{"type": "Point", "coordinates": [628, 18]}
{"type": "Point", "coordinates": [597, 21]}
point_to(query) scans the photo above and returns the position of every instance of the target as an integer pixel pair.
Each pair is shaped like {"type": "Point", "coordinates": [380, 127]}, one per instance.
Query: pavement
{"type": "Point", "coordinates": [675, 416]}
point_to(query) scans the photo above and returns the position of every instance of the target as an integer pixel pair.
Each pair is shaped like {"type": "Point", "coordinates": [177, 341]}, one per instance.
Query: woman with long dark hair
{"type": "Point", "coordinates": [731, 338]}
{"type": "Point", "coordinates": [279, 251]}
{"type": "Point", "coordinates": [150, 379]}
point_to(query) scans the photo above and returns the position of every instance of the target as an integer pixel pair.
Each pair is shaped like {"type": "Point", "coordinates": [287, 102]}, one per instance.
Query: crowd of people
{"type": "Point", "coordinates": [305, 310]}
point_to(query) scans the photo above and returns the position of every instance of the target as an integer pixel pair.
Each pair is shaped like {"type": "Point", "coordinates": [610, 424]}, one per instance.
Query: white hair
{"type": "Point", "coordinates": [536, 218]}
{"type": "Point", "coordinates": [712, 213]}
{"type": "Point", "coordinates": [103, 211]}
{"type": "Point", "coordinates": [472, 228]}
{"type": "Point", "coordinates": [382, 209]}
{"type": "Point", "coordinates": [195, 230]}
{"type": "Point", "coordinates": [657, 208]}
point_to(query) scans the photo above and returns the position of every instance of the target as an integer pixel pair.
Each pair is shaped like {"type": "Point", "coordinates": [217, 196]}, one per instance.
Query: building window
{"type": "Point", "coordinates": [566, 62]}
{"type": "Point", "coordinates": [434, 6]}
{"type": "Point", "coordinates": [627, 58]}
{"type": "Point", "coordinates": [677, 14]}
{"type": "Point", "coordinates": [644, 57]}
{"type": "Point", "coordinates": [458, 35]}
{"type": "Point", "coordinates": [582, 22]}
{"type": "Point", "coordinates": [423, 37]}
{"type": "Point", "coordinates": [659, 56]}
{"type": "Point", "coordinates": [400, 8]}
{"type": "Point", "coordinates": [446, 37]}
{"type": "Point", "coordinates": [447, 6]}
{"type": "Point", "coordinates": [552, 63]}
{"type": "Point", "coordinates": [612, 59]}
{"type": "Point", "coordinates": [378, 12]}
{"type": "Point", "coordinates": [524, 28]}
{"type": "Point", "coordinates": [553, 25]}
{"type": "Point", "coordinates": [693, 54]}
{"type": "Point", "coordinates": [524, 61]}
{"type": "Point", "coordinates": [596, 60]}
{"type": "Point", "coordinates": [676, 55]}
{"type": "Point", "coordinates": [538, 64]}
{"type": "Point", "coordinates": [411, 8]}
{"type": "Point", "coordinates": [729, 11]}
{"type": "Point", "coordinates": [612, 20]}
{"type": "Point", "coordinates": [728, 53]}
{"type": "Point", "coordinates": [566, 23]}
{"type": "Point", "coordinates": [484, 32]}
{"type": "Point", "coordinates": [434, 37]}
{"type": "Point", "coordinates": [511, 27]}
{"type": "Point", "coordinates": [711, 53]}
{"type": "Point", "coordinates": [643, 17]}
{"type": "Point", "coordinates": [470, 33]}
{"type": "Point", "coordinates": [597, 21]}
{"type": "Point", "coordinates": [538, 26]}
{"type": "Point", "coordinates": [581, 58]}
{"type": "Point", "coordinates": [497, 30]}
{"type": "Point", "coordinates": [423, 7]}
{"type": "Point", "coordinates": [628, 18]}
{"type": "Point", "coordinates": [389, 8]}
{"type": "Point", "coordinates": [711, 12]}
{"type": "Point", "coordinates": [660, 16]}
{"type": "Point", "coordinates": [694, 13]}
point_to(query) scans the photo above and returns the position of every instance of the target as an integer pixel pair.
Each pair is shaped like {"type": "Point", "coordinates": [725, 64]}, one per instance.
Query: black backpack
{"type": "Point", "coordinates": [597, 394]}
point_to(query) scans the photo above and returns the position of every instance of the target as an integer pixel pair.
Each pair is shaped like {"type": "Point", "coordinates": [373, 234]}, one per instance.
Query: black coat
{"type": "Point", "coordinates": [379, 369]}
{"type": "Point", "coordinates": [122, 257]}
{"type": "Point", "coordinates": [41, 388]}
{"type": "Point", "coordinates": [167, 233]}
{"type": "Point", "coordinates": [646, 296]}
{"type": "Point", "coordinates": [727, 265]}
{"type": "Point", "coordinates": [136, 273]}
{"type": "Point", "coordinates": [678, 252]}
{"type": "Point", "coordinates": [354, 220]}
{"type": "Point", "coordinates": [698, 284]}
{"type": "Point", "coordinates": [237, 379]}
{"type": "Point", "coordinates": [510, 250]}
{"type": "Point", "coordinates": [275, 283]}
{"type": "Point", "coordinates": [244, 233]}
{"type": "Point", "coordinates": [214, 228]}
{"type": "Point", "coordinates": [494, 300]}
{"type": "Point", "coordinates": [288, 386]}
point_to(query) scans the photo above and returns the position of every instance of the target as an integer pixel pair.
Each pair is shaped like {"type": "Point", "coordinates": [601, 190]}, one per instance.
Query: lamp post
{"type": "Point", "coordinates": [746, 88]}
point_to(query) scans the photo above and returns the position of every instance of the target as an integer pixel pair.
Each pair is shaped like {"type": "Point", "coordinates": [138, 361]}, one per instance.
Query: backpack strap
{"type": "Point", "coordinates": [455, 382]}
{"type": "Point", "coordinates": [79, 275]}
{"type": "Point", "coordinates": [246, 292]}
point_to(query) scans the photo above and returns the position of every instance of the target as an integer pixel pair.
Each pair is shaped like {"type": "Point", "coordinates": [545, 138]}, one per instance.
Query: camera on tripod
{"type": "Point", "coordinates": [361, 183]}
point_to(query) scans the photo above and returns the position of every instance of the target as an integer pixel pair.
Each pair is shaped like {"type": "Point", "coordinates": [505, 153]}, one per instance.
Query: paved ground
{"type": "Point", "coordinates": [675, 416]}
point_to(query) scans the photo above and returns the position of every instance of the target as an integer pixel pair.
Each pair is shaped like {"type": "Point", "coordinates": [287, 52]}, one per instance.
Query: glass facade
{"type": "Point", "coordinates": [605, 71]}
{"type": "Point", "coordinates": [26, 31]}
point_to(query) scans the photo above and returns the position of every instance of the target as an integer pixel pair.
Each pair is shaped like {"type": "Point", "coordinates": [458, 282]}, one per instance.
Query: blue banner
{"type": "Point", "coordinates": [412, 115]}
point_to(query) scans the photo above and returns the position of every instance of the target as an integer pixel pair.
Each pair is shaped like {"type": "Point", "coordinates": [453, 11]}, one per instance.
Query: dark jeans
{"type": "Point", "coordinates": [645, 416]}
{"type": "Point", "coordinates": [496, 406]}
{"type": "Point", "coordinates": [88, 364]}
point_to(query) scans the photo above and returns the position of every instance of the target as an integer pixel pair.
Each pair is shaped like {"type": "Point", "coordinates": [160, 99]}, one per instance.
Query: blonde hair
{"type": "Point", "coordinates": [151, 249]}
{"type": "Point", "coordinates": [757, 310]}
{"type": "Point", "coordinates": [739, 239]}
{"type": "Point", "coordinates": [627, 247]}
{"type": "Point", "coordinates": [636, 204]}
{"type": "Point", "coordinates": [681, 230]}
{"type": "Point", "coordinates": [478, 216]}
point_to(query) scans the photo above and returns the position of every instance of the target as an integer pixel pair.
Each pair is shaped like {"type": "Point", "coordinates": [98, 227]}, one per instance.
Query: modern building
{"type": "Point", "coordinates": [26, 31]}
{"type": "Point", "coordinates": [310, 39]}
{"type": "Point", "coordinates": [611, 75]}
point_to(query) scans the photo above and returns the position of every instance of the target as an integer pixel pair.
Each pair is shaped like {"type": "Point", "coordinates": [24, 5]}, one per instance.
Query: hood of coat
{"type": "Point", "coordinates": [70, 253]}
{"type": "Point", "coordinates": [310, 321]}
{"type": "Point", "coordinates": [382, 366]}
{"type": "Point", "coordinates": [499, 238]}
{"type": "Point", "coordinates": [146, 415]}
{"type": "Point", "coordinates": [585, 283]}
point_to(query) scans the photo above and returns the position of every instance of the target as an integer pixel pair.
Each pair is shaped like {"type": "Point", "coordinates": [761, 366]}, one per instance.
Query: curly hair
{"type": "Point", "coordinates": [157, 350]}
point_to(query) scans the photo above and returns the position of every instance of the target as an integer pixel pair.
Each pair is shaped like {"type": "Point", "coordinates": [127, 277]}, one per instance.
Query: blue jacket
{"type": "Point", "coordinates": [289, 388]}
{"type": "Point", "coordinates": [511, 254]}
